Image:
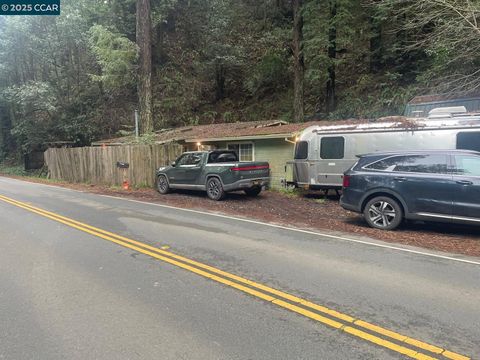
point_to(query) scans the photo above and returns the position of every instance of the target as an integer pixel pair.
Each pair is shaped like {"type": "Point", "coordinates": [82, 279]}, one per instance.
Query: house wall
{"type": "Point", "coordinates": [276, 151]}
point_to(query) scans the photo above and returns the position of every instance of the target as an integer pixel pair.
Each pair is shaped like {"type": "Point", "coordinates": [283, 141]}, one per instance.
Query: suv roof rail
{"type": "Point", "coordinates": [421, 151]}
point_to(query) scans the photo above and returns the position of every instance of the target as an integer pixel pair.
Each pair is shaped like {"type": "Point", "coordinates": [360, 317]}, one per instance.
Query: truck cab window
{"type": "Point", "coordinates": [301, 150]}
{"type": "Point", "coordinates": [332, 147]}
{"type": "Point", "coordinates": [183, 160]}
{"type": "Point", "coordinates": [189, 159]}
{"type": "Point", "coordinates": [196, 159]}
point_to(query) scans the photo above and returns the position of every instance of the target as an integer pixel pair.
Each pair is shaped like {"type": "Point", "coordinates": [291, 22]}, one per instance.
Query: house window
{"type": "Point", "coordinates": [244, 151]}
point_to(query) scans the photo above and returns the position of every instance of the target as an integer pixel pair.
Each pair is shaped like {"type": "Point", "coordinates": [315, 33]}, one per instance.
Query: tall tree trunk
{"type": "Point", "coordinates": [219, 80]}
{"type": "Point", "coordinates": [144, 43]}
{"type": "Point", "coordinates": [6, 140]}
{"type": "Point", "coordinates": [298, 61]}
{"type": "Point", "coordinates": [331, 101]}
{"type": "Point", "coordinates": [375, 44]}
{"type": "Point", "coordinates": [159, 55]}
{"type": "Point", "coordinates": [3, 132]}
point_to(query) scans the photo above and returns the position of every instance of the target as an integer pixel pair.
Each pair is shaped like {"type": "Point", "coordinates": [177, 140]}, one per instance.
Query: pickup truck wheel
{"type": "Point", "coordinates": [215, 189]}
{"type": "Point", "coordinates": [383, 213]}
{"type": "Point", "coordinates": [254, 191]}
{"type": "Point", "coordinates": [162, 184]}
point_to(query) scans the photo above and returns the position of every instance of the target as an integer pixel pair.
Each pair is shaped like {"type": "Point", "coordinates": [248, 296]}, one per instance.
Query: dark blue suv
{"type": "Point", "coordinates": [436, 185]}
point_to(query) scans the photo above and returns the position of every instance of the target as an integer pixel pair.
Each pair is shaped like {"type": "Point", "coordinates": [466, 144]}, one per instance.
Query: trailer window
{"type": "Point", "coordinates": [468, 141]}
{"type": "Point", "coordinates": [332, 148]}
{"type": "Point", "coordinates": [301, 150]}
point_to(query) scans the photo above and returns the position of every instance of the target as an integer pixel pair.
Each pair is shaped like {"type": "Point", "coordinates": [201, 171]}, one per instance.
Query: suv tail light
{"type": "Point", "coordinates": [346, 181]}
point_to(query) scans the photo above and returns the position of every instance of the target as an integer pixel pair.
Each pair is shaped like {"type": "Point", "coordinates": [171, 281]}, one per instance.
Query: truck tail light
{"type": "Point", "coordinates": [249, 168]}
{"type": "Point", "coordinates": [346, 181]}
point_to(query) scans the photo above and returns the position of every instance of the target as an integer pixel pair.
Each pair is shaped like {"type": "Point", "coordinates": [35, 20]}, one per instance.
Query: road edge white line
{"type": "Point", "coordinates": [336, 237]}
{"type": "Point", "coordinates": [330, 236]}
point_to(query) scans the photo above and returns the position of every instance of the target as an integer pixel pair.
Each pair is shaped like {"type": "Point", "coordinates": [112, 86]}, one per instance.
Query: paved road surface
{"type": "Point", "coordinates": [68, 293]}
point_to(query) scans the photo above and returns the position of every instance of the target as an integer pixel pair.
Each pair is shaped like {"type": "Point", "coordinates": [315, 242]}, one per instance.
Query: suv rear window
{"type": "Point", "coordinates": [387, 164]}
{"type": "Point", "coordinates": [301, 150]}
{"type": "Point", "coordinates": [426, 164]}
{"type": "Point", "coordinates": [332, 147]}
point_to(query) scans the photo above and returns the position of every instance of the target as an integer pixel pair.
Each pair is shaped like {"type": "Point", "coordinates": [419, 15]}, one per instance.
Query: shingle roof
{"type": "Point", "coordinates": [217, 131]}
{"type": "Point", "coordinates": [270, 128]}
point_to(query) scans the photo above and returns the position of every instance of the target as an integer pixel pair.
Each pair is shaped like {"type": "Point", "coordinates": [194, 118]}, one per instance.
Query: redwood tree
{"type": "Point", "coordinates": [298, 58]}
{"type": "Point", "coordinates": [331, 100]}
{"type": "Point", "coordinates": [144, 43]}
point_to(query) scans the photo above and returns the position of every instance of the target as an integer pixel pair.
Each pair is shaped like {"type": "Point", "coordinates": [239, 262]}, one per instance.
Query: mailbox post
{"type": "Point", "coordinates": [123, 166]}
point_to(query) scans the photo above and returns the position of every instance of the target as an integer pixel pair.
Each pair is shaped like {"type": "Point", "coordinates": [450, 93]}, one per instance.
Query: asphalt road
{"type": "Point", "coordinates": [70, 292]}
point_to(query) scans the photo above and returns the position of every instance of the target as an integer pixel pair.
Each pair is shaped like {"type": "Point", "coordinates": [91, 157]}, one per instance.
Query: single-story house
{"type": "Point", "coordinates": [272, 141]}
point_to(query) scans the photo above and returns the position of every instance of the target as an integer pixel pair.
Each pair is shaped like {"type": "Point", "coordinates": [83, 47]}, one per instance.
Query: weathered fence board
{"type": "Point", "coordinates": [98, 165]}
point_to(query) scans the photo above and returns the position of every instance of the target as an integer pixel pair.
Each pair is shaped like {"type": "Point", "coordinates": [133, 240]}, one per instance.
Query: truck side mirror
{"type": "Point", "coordinates": [174, 163]}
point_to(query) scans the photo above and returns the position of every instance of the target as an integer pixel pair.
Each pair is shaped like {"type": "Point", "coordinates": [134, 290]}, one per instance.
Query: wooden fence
{"type": "Point", "coordinates": [98, 165]}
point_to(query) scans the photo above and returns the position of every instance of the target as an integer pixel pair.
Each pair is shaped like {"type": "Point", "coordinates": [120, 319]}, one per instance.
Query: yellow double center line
{"type": "Point", "coordinates": [361, 329]}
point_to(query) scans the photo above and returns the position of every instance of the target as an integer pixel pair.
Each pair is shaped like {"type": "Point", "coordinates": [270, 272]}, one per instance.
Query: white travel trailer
{"type": "Point", "coordinates": [324, 153]}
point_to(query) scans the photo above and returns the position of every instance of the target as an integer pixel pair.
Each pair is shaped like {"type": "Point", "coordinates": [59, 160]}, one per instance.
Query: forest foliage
{"type": "Point", "coordinates": [74, 77]}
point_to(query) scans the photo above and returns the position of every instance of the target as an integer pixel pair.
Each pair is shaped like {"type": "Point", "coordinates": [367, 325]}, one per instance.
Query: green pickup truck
{"type": "Point", "coordinates": [216, 172]}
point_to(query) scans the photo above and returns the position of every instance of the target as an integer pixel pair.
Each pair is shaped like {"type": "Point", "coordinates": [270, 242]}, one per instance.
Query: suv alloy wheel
{"type": "Point", "coordinates": [383, 213]}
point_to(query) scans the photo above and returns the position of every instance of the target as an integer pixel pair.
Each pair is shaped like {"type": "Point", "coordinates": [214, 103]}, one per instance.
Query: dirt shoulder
{"type": "Point", "coordinates": [310, 212]}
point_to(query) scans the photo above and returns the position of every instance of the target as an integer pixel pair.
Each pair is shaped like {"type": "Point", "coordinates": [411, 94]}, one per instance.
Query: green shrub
{"type": "Point", "coordinates": [17, 170]}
